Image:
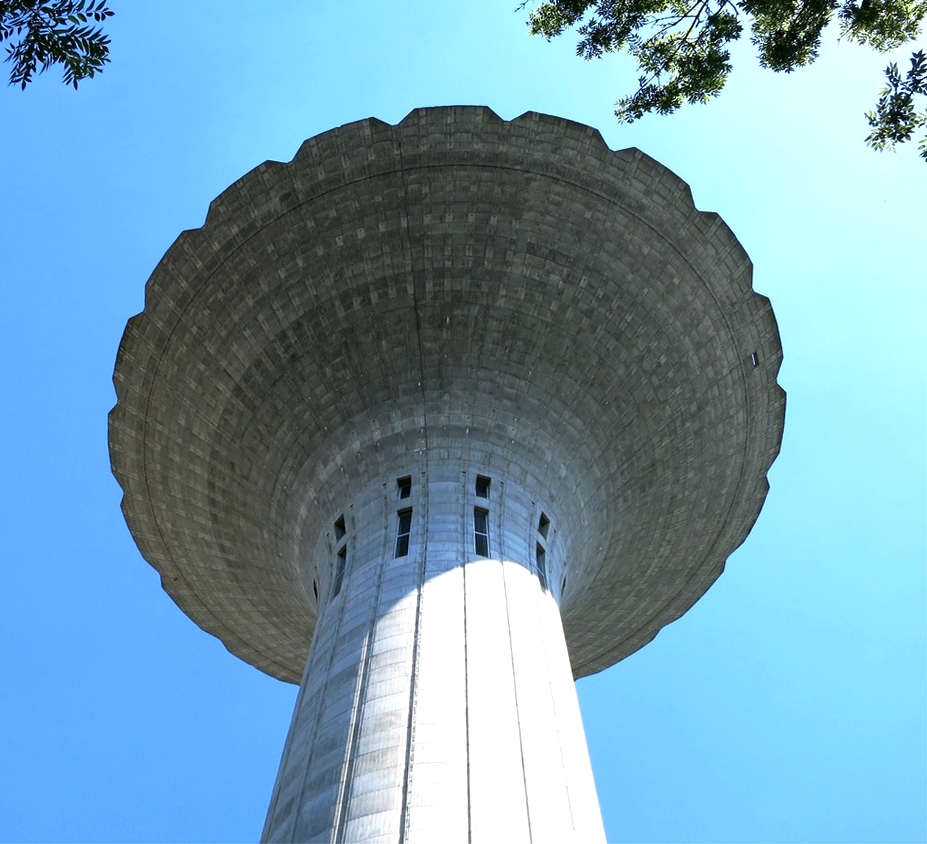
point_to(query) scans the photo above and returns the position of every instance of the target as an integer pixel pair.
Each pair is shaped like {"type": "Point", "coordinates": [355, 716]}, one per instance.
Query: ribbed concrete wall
{"type": "Point", "coordinates": [438, 701]}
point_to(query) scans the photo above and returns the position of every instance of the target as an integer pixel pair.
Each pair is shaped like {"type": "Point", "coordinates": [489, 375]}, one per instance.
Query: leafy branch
{"type": "Point", "coordinates": [895, 119]}
{"type": "Point", "coordinates": [42, 33]}
{"type": "Point", "coordinates": [682, 46]}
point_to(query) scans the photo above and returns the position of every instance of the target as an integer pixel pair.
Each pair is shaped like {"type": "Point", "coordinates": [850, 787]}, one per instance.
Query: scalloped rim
{"type": "Point", "coordinates": [186, 597]}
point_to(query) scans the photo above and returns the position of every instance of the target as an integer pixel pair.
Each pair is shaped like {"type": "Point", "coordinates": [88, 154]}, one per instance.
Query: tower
{"type": "Point", "coordinates": [433, 420]}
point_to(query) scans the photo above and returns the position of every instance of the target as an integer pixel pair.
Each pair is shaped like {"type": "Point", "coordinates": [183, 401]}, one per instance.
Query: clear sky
{"type": "Point", "coordinates": [787, 706]}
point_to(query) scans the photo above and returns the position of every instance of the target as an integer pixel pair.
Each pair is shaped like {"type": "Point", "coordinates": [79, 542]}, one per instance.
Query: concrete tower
{"type": "Point", "coordinates": [433, 420]}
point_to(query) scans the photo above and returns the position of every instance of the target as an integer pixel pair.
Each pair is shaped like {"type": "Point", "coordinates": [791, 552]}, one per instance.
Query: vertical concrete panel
{"type": "Point", "coordinates": [548, 800]}
{"type": "Point", "coordinates": [498, 810]}
{"type": "Point", "coordinates": [584, 803]}
{"type": "Point", "coordinates": [438, 807]}
{"type": "Point", "coordinates": [305, 794]}
{"type": "Point", "coordinates": [376, 769]}
{"type": "Point", "coordinates": [298, 747]}
{"type": "Point", "coordinates": [318, 796]}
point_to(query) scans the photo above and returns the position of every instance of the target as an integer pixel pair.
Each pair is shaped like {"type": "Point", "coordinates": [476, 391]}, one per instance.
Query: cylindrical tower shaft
{"type": "Point", "coordinates": [438, 698]}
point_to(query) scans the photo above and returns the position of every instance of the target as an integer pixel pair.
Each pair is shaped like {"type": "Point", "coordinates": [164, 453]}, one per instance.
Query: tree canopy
{"type": "Point", "coordinates": [41, 33]}
{"type": "Point", "coordinates": [682, 47]}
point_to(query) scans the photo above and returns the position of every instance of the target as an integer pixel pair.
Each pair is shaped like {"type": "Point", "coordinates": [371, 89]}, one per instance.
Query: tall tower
{"type": "Point", "coordinates": [433, 420]}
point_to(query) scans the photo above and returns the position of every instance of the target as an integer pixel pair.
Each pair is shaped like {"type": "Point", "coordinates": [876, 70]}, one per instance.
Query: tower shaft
{"type": "Point", "coordinates": [438, 700]}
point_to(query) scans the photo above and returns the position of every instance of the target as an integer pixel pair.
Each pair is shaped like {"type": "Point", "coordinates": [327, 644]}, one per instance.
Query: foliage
{"type": "Point", "coordinates": [682, 46]}
{"type": "Point", "coordinates": [895, 120]}
{"type": "Point", "coordinates": [46, 32]}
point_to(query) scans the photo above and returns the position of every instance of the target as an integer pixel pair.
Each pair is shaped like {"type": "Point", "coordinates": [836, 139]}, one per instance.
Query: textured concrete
{"type": "Point", "coordinates": [438, 702]}
{"type": "Point", "coordinates": [452, 296]}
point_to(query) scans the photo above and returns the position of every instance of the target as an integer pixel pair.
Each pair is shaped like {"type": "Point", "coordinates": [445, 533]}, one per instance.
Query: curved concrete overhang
{"type": "Point", "coordinates": [455, 287]}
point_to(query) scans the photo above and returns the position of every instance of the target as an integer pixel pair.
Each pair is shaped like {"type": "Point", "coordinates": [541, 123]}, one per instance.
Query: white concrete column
{"type": "Point", "coordinates": [438, 702]}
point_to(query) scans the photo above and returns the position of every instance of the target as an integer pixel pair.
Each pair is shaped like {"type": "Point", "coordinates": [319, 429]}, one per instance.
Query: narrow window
{"type": "Point", "coordinates": [339, 527]}
{"type": "Point", "coordinates": [482, 486]}
{"type": "Point", "coordinates": [315, 590]}
{"type": "Point", "coordinates": [563, 586]}
{"type": "Point", "coordinates": [539, 559]}
{"type": "Point", "coordinates": [340, 564]}
{"type": "Point", "coordinates": [543, 525]}
{"type": "Point", "coordinates": [405, 486]}
{"type": "Point", "coordinates": [481, 531]}
{"type": "Point", "coordinates": [402, 537]}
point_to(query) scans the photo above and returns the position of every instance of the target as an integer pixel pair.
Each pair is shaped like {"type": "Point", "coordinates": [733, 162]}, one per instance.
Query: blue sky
{"type": "Point", "coordinates": [788, 705]}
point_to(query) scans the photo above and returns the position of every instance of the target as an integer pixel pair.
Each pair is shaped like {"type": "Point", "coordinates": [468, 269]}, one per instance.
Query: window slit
{"type": "Point", "coordinates": [340, 565]}
{"type": "Point", "coordinates": [481, 532]}
{"type": "Point", "coordinates": [405, 486]}
{"type": "Point", "coordinates": [540, 558]}
{"type": "Point", "coordinates": [404, 532]}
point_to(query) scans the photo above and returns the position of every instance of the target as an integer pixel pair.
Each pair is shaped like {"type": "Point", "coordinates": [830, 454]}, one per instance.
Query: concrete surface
{"type": "Point", "coordinates": [450, 297]}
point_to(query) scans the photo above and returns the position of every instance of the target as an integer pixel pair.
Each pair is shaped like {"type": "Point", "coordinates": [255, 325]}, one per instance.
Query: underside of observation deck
{"type": "Point", "coordinates": [511, 296]}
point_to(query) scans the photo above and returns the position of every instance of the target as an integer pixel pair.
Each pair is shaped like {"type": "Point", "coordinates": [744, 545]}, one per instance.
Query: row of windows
{"type": "Point", "coordinates": [480, 532]}
{"type": "Point", "coordinates": [404, 533]}
{"type": "Point", "coordinates": [480, 517]}
{"type": "Point", "coordinates": [480, 537]}
{"type": "Point", "coordinates": [404, 486]}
